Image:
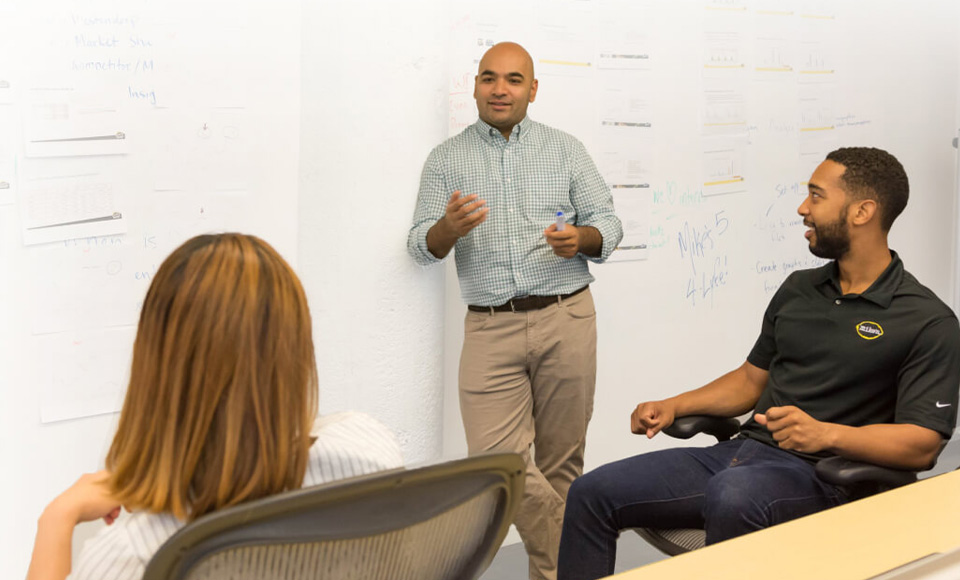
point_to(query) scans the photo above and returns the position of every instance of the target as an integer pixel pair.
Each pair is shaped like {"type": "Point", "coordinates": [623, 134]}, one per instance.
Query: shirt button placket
{"type": "Point", "coordinates": [511, 201]}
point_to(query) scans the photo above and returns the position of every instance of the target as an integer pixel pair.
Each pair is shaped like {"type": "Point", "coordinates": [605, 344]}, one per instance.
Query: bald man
{"type": "Point", "coordinates": [525, 210]}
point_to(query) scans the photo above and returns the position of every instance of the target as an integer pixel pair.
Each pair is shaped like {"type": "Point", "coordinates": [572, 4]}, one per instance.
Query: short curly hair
{"type": "Point", "coordinates": [874, 174]}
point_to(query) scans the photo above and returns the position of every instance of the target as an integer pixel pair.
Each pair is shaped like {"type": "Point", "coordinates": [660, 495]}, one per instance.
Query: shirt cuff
{"type": "Point", "coordinates": [419, 250]}
{"type": "Point", "coordinates": [612, 233]}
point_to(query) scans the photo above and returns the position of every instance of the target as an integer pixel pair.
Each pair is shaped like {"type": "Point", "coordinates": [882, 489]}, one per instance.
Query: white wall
{"type": "Point", "coordinates": [373, 103]}
{"type": "Point", "coordinates": [373, 106]}
{"type": "Point", "coordinates": [956, 208]}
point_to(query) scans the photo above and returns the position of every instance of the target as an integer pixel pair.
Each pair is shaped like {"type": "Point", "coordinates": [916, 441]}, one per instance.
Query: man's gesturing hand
{"type": "Point", "coordinates": [795, 430]}
{"type": "Point", "coordinates": [465, 213]}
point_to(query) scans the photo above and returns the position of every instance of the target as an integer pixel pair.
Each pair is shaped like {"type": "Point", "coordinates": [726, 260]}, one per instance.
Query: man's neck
{"type": "Point", "coordinates": [862, 266]}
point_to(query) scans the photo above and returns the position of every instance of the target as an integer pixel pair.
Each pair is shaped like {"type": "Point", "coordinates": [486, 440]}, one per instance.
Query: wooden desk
{"type": "Point", "coordinates": [851, 542]}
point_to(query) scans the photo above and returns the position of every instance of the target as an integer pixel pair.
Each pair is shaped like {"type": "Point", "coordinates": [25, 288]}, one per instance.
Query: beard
{"type": "Point", "coordinates": [832, 239]}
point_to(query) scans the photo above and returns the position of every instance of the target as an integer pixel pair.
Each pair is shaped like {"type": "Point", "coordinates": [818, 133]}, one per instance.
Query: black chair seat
{"type": "Point", "coordinates": [833, 470]}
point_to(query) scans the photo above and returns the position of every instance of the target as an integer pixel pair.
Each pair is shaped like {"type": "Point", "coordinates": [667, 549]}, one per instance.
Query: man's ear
{"type": "Point", "coordinates": [865, 211]}
{"type": "Point", "coordinates": [533, 90]}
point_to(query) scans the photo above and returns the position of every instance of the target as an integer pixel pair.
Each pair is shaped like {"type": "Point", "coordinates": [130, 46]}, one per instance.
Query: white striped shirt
{"type": "Point", "coordinates": [347, 445]}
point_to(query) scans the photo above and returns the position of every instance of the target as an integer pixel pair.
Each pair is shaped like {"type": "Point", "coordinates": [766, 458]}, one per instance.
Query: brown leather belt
{"type": "Point", "coordinates": [526, 303]}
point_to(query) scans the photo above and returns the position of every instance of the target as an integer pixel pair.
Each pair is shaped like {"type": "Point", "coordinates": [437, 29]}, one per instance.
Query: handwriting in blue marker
{"type": "Point", "coordinates": [93, 242]}
{"type": "Point", "coordinates": [146, 275]}
{"type": "Point", "coordinates": [703, 287]}
{"type": "Point", "coordinates": [148, 95]}
{"type": "Point", "coordinates": [95, 41]}
{"type": "Point", "coordinates": [698, 244]}
{"type": "Point", "coordinates": [774, 272]}
{"type": "Point", "coordinates": [791, 190]}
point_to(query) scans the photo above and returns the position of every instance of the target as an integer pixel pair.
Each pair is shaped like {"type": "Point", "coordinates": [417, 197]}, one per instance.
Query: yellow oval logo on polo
{"type": "Point", "coordinates": [869, 330]}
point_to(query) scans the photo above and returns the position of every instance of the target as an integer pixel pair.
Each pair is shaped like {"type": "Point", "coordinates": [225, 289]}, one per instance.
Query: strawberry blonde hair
{"type": "Point", "coordinates": [223, 385]}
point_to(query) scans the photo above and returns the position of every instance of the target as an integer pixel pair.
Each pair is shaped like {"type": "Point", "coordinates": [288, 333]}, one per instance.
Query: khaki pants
{"type": "Point", "coordinates": [528, 378]}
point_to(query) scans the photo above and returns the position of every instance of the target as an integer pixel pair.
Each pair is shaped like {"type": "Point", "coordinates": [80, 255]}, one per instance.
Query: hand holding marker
{"type": "Point", "coordinates": [563, 242]}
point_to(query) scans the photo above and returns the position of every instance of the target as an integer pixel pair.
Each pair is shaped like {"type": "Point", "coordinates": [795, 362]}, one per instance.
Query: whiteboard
{"type": "Point", "coordinates": [956, 227]}
{"type": "Point", "coordinates": [717, 112]}
{"type": "Point", "coordinates": [123, 144]}
{"type": "Point", "coordinates": [126, 127]}
{"type": "Point", "coordinates": [386, 84]}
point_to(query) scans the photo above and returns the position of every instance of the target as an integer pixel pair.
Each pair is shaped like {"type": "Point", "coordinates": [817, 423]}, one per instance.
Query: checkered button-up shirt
{"type": "Point", "coordinates": [525, 182]}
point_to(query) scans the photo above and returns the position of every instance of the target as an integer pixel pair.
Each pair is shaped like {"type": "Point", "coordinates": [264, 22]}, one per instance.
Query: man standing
{"type": "Point", "coordinates": [855, 358]}
{"type": "Point", "coordinates": [525, 208]}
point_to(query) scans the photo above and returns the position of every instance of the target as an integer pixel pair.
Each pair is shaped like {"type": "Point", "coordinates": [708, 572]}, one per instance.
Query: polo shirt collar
{"type": "Point", "coordinates": [882, 290]}
{"type": "Point", "coordinates": [490, 133]}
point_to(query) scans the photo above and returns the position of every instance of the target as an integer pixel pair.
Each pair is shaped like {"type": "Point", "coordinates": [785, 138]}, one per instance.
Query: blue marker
{"type": "Point", "coordinates": [560, 221]}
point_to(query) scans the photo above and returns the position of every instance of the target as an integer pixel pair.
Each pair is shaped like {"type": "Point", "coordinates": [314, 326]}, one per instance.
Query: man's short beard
{"type": "Point", "coordinates": [833, 239]}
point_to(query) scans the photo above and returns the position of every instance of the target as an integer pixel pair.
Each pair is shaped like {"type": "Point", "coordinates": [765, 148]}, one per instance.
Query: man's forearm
{"type": "Point", "coordinates": [591, 242]}
{"type": "Point", "coordinates": [901, 446]}
{"type": "Point", "coordinates": [441, 239]}
{"type": "Point", "coordinates": [730, 395]}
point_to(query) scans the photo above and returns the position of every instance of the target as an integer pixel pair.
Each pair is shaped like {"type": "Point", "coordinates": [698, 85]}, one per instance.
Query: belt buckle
{"type": "Point", "coordinates": [512, 306]}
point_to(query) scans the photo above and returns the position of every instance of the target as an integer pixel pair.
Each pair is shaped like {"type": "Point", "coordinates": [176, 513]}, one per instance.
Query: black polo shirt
{"type": "Point", "coordinates": [889, 355]}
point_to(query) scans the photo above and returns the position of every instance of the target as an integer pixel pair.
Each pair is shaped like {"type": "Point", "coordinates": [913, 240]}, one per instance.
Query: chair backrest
{"type": "Point", "coordinates": [439, 522]}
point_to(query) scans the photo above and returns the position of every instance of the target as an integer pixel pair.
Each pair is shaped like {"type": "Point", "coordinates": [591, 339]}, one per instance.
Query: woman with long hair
{"type": "Point", "coordinates": [220, 410]}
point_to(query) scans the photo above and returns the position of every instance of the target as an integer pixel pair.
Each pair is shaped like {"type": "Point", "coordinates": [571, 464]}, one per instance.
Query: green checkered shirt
{"type": "Point", "coordinates": [525, 182]}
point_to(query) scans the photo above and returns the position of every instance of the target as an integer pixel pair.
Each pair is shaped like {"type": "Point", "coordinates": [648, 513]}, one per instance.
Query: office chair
{"type": "Point", "coordinates": [440, 522]}
{"type": "Point", "coordinates": [833, 470]}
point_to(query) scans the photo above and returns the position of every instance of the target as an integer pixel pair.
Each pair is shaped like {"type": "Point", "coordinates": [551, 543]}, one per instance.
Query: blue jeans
{"type": "Point", "coordinates": [729, 489]}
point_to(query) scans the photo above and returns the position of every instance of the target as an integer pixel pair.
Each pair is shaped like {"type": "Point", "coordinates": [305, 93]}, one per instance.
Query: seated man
{"type": "Point", "coordinates": [855, 358]}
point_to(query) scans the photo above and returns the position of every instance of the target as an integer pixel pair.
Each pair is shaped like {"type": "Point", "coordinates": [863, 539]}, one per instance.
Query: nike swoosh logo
{"type": "Point", "coordinates": [942, 405]}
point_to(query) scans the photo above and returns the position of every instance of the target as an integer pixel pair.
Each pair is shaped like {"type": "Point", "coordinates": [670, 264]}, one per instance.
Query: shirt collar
{"type": "Point", "coordinates": [492, 134]}
{"type": "Point", "coordinates": [882, 290]}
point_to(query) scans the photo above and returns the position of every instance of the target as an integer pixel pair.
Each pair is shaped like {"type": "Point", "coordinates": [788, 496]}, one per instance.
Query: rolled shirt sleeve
{"type": "Point", "coordinates": [431, 206]}
{"type": "Point", "coordinates": [593, 201]}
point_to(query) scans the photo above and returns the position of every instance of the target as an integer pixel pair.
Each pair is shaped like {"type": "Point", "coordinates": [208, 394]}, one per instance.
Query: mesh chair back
{"type": "Point", "coordinates": [433, 523]}
{"type": "Point", "coordinates": [673, 541]}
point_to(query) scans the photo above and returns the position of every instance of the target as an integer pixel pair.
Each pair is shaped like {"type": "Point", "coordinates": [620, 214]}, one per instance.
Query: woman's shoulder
{"type": "Point", "coordinates": [121, 551]}
{"type": "Point", "coordinates": [349, 444]}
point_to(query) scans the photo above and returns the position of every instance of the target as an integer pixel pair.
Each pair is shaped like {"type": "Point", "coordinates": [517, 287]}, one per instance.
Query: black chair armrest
{"type": "Point", "coordinates": [723, 428]}
{"type": "Point", "coordinates": [840, 471]}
